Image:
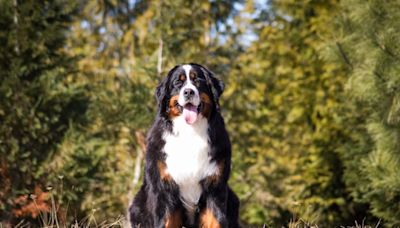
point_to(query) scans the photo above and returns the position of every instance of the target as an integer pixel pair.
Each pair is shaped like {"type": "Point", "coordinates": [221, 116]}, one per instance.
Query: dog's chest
{"type": "Point", "coordinates": [187, 157]}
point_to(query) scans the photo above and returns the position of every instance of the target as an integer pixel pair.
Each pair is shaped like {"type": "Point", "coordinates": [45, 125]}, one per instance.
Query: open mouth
{"type": "Point", "coordinates": [190, 113]}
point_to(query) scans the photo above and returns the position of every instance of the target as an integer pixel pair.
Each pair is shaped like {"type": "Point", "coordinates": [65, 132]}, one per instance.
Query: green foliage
{"type": "Point", "coordinates": [61, 128]}
{"type": "Point", "coordinates": [82, 96]}
{"type": "Point", "coordinates": [122, 62]}
{"type": "Point", "coordinates": [312, 103]}
{"type": "Point", "coordinates": [367, 43]}
{"type": "Point", "coordinates": [292, 117]}
{"type": "Point", "coordinates": [36, 104]}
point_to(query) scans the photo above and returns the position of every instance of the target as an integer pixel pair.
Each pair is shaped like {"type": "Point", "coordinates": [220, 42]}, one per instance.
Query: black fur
{"type": "Point", "coordinates": [156, 198]}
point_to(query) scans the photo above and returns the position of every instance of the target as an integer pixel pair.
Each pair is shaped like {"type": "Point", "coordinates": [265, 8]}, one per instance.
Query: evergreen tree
{"type": "Point", "coordinates": [287, 120]}
{"type": "Point", "coordinates": [312, 107]}
{"type": "Point", "coordinates": [37, 104]}
{"type": "Point", "coordinates": [122, 61]}
{"type": "Point", "coordinates": [368, 44]}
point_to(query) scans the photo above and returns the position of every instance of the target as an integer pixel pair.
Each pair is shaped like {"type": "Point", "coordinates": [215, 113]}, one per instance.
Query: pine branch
{"type": "Point", "coordinates": [344, 56]}
{"type": "Point", "coordinates": [383, 47]}
{"type": "Point", "coordinates": [380, 76]}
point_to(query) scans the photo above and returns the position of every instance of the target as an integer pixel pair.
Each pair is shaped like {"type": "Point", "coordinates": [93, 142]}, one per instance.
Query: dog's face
{"type": "Point", "coordinates": [189, 90]}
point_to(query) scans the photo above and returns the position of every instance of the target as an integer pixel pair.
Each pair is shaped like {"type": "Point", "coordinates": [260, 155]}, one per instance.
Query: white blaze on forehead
{"type": "Point", "coordinates": [187, 69]}
{"type": "Point", "coordinates": [188, 85]}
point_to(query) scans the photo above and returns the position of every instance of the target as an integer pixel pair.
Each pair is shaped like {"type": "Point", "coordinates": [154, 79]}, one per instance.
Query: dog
{"type": "Point", "coordinates": [188, 157]}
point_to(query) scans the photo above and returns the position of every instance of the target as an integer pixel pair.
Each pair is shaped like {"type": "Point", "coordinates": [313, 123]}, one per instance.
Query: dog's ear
{"type": "Point", "coordinates": [216, 85]}
{"type": "Point", "coordinates": [162, 90]}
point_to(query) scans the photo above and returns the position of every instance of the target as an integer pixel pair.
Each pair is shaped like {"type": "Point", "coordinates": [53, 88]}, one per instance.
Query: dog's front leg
{"type": "Point", "coordinates": [166, 207]}
{"type": "Point", "coordinates": [213, 214]}
{"type": "Point", "coordinates": [169, 220]}
{"type": "Point", "coordinates": [174, 219]}
{"type": "Point", "coordinates": [166, 212]}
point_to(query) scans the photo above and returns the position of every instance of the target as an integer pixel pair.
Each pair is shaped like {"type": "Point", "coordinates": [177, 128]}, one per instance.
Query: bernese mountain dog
{"type": "Point", "coordinates": [188, 157]}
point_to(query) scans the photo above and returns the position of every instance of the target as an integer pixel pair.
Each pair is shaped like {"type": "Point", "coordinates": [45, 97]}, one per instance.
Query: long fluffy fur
{"type": "Point", "coordinates": [158, 202]}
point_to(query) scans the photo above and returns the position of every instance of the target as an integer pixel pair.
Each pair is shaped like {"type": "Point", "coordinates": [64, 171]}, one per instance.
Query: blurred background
{"type": "Point", "coordinates": [312, 104]}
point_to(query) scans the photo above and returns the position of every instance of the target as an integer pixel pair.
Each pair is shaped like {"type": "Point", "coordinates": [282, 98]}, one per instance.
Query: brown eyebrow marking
{"type": "Point", "coordinates": [192, 75]}
{"type": "Point", "coordinates": [182, 77]}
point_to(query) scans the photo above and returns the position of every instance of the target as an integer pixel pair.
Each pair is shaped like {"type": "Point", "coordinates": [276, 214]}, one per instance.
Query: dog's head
{"type": "Point", "coordinates": [189, 90]}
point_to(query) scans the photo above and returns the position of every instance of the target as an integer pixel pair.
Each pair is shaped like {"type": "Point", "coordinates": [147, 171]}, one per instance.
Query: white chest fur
{"type": "Point", "coordinates": [187, 158]}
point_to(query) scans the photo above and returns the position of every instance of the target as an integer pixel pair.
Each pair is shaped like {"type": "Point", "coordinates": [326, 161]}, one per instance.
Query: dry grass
{"type": "Point", "coordinates": [305, 224]}
{"type": "Point", "coordinates": [51, 220]}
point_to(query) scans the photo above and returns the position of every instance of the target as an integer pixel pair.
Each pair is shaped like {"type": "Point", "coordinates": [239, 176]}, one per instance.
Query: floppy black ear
{"type": "Point", "coordinates": [216, 85]}
{"type": "Point", "coordinates": [162, 90]}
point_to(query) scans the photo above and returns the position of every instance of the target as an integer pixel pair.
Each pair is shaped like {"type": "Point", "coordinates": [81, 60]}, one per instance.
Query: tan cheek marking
{"type": "Point", "coordinates": [174, 220]}
{"type": "Point", "coordinates": [173, 108]}
{"type": "Point", "coordinates": [208, 220]}
{"type": "Point", "coordinates": [205, 99]}
{"type": "Point", "coordinates": [162, 168]}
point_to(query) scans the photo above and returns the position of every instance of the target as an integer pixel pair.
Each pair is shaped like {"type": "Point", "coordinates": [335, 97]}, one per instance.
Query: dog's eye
{"type": "Point", "coordinates": [178, 83]}
{"type": "Point", "coordinates": [182, 77]}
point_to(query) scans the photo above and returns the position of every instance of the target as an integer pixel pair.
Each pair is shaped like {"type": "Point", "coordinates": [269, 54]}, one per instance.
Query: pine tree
{"type": "Point", "coordinates": [36, 102]}
{"type": "Point", "coordinates": [122, 61]}
{"type": "Point", "coordinates": [368, 44]}
{"type": "Point", "coordinates": [287, 119]}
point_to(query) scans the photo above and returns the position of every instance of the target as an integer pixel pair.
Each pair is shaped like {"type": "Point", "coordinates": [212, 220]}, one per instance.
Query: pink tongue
{"type": "Point", "coordinates": [190, 113]}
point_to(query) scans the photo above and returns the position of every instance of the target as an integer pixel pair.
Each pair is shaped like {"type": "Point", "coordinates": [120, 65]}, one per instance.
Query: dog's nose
{"type": "Point", "coordinates": [188, 93]}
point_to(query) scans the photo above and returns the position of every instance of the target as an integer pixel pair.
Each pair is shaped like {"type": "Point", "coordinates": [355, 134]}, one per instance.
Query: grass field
{"type": "Point", "coordinates": [51, 220]}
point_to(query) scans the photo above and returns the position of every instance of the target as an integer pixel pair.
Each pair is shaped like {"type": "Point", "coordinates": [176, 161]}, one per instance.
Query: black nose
{"type": "Point", "coordinates": [188, 93]}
